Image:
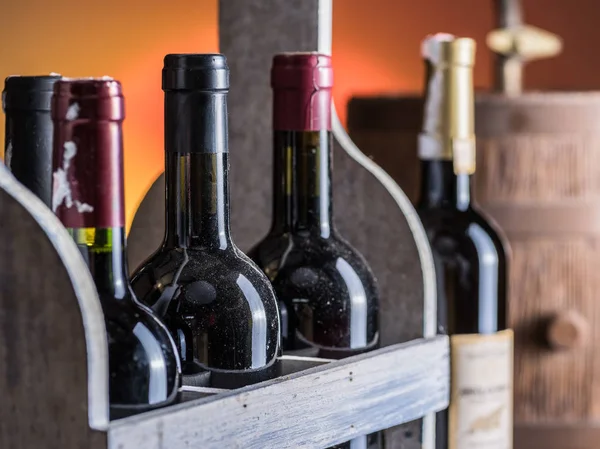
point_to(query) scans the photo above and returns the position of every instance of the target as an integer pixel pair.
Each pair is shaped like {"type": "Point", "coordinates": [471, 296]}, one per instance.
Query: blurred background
{"type": "Point", "coordinates": [375, 50]}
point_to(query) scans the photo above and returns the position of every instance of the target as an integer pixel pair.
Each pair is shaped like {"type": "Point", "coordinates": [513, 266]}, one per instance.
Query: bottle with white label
{"type": "Point", "coordinates": [469, 256]}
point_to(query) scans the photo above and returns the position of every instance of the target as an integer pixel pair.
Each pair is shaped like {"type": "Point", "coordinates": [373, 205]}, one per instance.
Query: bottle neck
{"type": "Point", "coordinates": [103, 250]}
{"type": "Point", "coordinates": [447, 139]}
{"type": "Point", "coordinates": [196, 170]}
{"type": "Point", "coordinates": [302, 196]}
{"type": "Point", "coordinates": [88, 198]}
{"type": "Point", "coordinates": [197, 208]}
{"type": "Point", "coordinates": [441, 187]}
{"type": "Point", "coordinates": [28, 150]}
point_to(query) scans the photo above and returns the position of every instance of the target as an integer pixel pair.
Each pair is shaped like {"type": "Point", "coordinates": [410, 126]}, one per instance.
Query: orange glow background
{"type": "Point", "coordinates": [375, 49]}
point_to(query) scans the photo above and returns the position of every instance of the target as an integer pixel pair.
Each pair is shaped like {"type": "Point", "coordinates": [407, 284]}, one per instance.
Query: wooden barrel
{"type": "Point", "coordinates": [538, 176]}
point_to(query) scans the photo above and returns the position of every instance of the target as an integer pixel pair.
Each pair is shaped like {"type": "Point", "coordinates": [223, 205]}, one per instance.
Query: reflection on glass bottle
{"type": "Point", "coordinates": [325, 287]}
{"type": "Point", "coordinates": [220, 308]}
{"type": "Point", "coordinates": [87, 196]}
{"type": "Point", "coordinates": [469, 256]}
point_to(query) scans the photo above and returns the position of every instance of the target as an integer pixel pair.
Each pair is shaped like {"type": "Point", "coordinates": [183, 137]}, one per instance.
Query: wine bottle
{"type": "Point", "coordinates": [219, 307]}
{"type": "Point", "coordinates": [87, 196]}
{"type": "Point", "coordinates": [28, 136]}
{"type": "Point", "coordinates": [327, 292]}
{"type": "Point", "coordinates": [469, 256]}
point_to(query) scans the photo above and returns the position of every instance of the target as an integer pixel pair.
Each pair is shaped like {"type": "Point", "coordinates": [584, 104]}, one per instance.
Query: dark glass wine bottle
{"type": "Point", "coordinates": [218, 305]}
{"type": "Point", "coordinates": [28, 137]}
{"type": "Point", "coordinates": [327, 292]}
{"type": "Point", "coordinates": [87, 196]}
{"type": "Point", "coordinates": [469, 257]}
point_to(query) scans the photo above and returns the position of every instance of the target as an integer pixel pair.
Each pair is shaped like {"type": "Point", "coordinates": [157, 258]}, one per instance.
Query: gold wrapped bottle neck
{"type": "Point", "coordinates": [447, 50]}
{"type": "Point", "coordinates": [448, 123]}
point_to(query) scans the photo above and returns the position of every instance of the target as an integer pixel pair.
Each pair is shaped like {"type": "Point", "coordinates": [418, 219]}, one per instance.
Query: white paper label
{"type": "Point", "coordinates": [481, 408]}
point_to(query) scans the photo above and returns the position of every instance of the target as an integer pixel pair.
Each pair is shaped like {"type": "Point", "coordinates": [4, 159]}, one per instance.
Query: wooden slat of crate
{"type": "Point", "coordinates": [318, 407]}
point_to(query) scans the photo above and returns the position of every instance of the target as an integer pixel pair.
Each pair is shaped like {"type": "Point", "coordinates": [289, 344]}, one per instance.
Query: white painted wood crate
{"type": "Point", "coordinates": [54, 367]}
{"type": "Point", "coordinates": [315, 407]}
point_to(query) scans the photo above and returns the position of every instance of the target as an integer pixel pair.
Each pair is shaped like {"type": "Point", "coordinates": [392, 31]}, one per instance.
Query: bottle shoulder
{"type": "Point", "coordinates": [198, 276]}
{"type": "Point", "coordinates": [463, 233]}
{"type": "Point", "coordinates": [197, 263]}
{"type": "Point", "coordinates": [129, 319]}
{"type": "Point", "coordinates": [145, 370]}
{"type": "Point", "coordinates": [330, 260]}
{"type": "Point", "coordinates": [459, 221]}
{"type": "Point", "coordinates": [219, 307]}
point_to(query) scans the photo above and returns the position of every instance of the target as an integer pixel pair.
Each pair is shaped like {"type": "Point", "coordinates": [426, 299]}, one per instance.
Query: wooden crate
{"type": "Point", "coordinates": [54, 380]}
{"type": "Point", "coordinates": [53, 350]}
{"type": "Point", "coordinates": [369, 208]}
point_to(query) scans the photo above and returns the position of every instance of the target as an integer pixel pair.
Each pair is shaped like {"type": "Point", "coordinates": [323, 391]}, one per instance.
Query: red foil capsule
{"type": "Point", "coordinates": [87, 190]}
{"type": "Point", "coordinates": [302, 84]}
